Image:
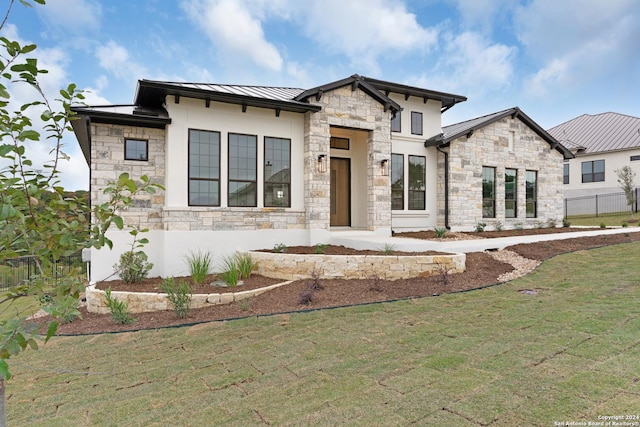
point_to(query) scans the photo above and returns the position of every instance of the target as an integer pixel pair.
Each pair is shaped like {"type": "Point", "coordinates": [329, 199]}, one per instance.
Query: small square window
{"type": "Point", "coordinates": [136, 149]}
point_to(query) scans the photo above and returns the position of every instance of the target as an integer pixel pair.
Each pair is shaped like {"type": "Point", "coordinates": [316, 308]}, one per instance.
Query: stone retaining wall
{"type": "Point", "coordinates": [142, 302]}
{"type": "Point", "coordinates": [388, 267]}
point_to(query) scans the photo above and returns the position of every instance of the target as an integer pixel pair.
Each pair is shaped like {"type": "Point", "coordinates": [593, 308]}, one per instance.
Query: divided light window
{"type": "Point", "coordinates": [395, 123]}
{"type": "Point", "coordinates": [488, 192]}
{"type": "Point", "coordinates": [510, 193]}
{"type": "Point", "coordinates": [565, 173]}
{"type": "Point", "coordinates": [204, 168]}
{"type": "Point", "coordinates": [532, 194]}
{"type": "Point", "coordinates": [136, 149]}
{"type": "Point", "coordinates": [277, 172]}
{"type": "Point", "coordinates": [243, 154]}
{"type": "Point", "coordinates": [417, 174]}
{"type": "Point", "coordinates": [397, 181]}
{"type": "Point", "coordinates": [593, 171]}
{"type": "Point", "coordinates": [416, 123]}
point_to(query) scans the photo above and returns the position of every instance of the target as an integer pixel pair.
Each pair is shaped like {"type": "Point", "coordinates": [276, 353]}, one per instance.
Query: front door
{"type": "Point", "coordinates": [340, 192]}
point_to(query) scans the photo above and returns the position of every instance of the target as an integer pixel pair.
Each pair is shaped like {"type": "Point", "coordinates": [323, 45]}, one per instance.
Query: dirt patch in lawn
{"type": "Point", "coordinates": [481, 270]}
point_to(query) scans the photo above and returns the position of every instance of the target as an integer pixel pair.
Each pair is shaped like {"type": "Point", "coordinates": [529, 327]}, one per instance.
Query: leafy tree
{"type": "Point", "coordinates": [626, 178]}
{"type": "Point", "coordinates": [37, 217]}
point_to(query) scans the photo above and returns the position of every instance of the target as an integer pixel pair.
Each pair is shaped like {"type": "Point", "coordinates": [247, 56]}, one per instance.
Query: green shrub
{"type": "Point", "coordinates": [566, 223]}
{"type": "Point", "coordinates": [199, 264]}
{"type": "Point", "coordinates": [319, 248]}
{"type": "Point", "coordinates": [441, 232]}
{"type": "Point", "coordinates": [387, 249]}
{"type": "Point", "coordinates": [480, 227]}
{"type": "Point", "coordinates": [119, 309]}
{"type": "Point", "coordinates": [231, 271]}
{"type": "Point", "coordinates": [178, 295]}
{"type": "Point", "coordinates": [280, 248]}
{"type": "Point", "coordinates": [245, 264]}
{"type": "Point", "coordinates": [603, 225]}
{"type": "Point", "coordinates": [624, 224]}
{"type": "Point", "coordinates": [133, 266]}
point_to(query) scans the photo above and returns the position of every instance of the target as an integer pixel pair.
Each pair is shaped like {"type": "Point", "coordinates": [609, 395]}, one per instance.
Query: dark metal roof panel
{"type": "Point", "coordinates": [448, 100]}
{"type": "Point", "coordinates": [600, 132]}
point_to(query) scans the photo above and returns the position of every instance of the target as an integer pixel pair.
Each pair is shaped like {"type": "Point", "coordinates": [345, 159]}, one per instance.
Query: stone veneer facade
{"type": "Point", "coordinates": [505, 144]}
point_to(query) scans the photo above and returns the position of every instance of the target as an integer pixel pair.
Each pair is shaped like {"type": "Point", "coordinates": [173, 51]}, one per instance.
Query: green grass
{"type": "Point", "coordinates": [494, 356]}
{"type": "Point", "coordinates": [610, 220]}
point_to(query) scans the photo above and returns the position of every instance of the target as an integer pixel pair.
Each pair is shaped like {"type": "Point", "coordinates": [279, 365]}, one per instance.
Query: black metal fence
{"type": "Point", "coordinates": [600, 204]}
{"type": "Point", "coordinates": [16, 271]}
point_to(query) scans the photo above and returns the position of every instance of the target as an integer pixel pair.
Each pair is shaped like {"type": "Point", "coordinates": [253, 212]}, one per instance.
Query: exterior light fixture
{"type": "Point", "coordinates": [322, 163]}
{"type": "Point", "coordinates": [384, 167]}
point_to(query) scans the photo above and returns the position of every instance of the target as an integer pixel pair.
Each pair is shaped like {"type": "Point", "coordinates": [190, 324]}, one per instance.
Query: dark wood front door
{"type": "Point", "coordinates": [340, 192]}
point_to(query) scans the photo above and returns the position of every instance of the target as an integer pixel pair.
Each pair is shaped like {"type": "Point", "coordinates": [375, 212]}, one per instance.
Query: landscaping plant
{"type": "Point", "coordinates": [441, 232]}
{"type": "Point", "coordinates": [119, 309]}
{"type": "Point", "coordinates": [244, 263]}
{"type": "Point", "coordinates": [199, 264]}
{"type": "Point", "coordinates": [179, 295]}
{"type": "Point", "coordinates": [626, 177]}
{"type": "Point", "coordinates": [133, 266]}
{"type": "Point", "coordinates": [480, 227]}
{"type": "Point", "coordinates": [231, 271]}
{"type": "Point", "coordinates": [280, 248]}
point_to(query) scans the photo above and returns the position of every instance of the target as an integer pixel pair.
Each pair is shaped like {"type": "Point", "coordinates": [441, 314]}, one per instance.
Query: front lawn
{"type": "Point", "coordinates": [566, 350]}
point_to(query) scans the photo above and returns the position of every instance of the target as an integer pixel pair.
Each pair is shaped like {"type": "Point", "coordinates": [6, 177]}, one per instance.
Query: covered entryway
{"type": "Point", "coordinates": [340, 192]}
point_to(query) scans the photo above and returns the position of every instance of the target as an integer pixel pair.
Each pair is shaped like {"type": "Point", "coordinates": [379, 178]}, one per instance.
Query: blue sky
{"type": "Point", "coordinates": [555, 59]}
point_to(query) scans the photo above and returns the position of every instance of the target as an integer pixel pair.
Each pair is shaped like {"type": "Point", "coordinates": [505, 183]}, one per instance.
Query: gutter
{"type": "Point", "coordinates": [446, 186]}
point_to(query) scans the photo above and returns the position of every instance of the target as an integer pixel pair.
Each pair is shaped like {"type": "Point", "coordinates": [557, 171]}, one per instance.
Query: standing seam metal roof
{"type": "Point", "coordinates": [599, 133]}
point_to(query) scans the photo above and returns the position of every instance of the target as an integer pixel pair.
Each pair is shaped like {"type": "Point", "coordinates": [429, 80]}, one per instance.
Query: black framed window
{"type": "Point", "coordinates": [593, 171]}
{"type": "Point", "coordinates": [277, 172]}
{"type": "Point", "coordinates": [417, 174]}
{"type": "Point", "coordinates": [397, 181]}
{"type": "Point", "coordinates": [634, 158]}
{"type": "Point", "coordinates": [416, 123]}
{"type": "Point", "coordinates": [204, 168]}
{"type": "Point", "coordinates": [488, 192]}
{"type": "Point", "coordinates": [396, 122]}
{"type": "Point", "coordinates": [136, 149]}
{"type": "Point", "coordinates": [565, 173]}
{"type": "Point", "coordinates": [243, 158]}
{"type": "Point", "coordinates": [510, 193]}
{"type": "Point", "coordinates": [532, 194]}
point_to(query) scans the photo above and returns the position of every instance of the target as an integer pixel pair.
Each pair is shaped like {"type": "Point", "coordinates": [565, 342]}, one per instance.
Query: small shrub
{"type": "Point", "coordinates": [552, 223]}
{"type": "Point", "coordinates": [61, 307]}
{"type": "Point", "coordinates": [603, 225]}
{"type": "Point", "coordinates": [231, 272]}
{"type": "Point", "coordinates": [315, 284]}
{"type": "Point", "coordinates": [199, 264]}
{"type": "Point", "coordinates": [133, 266]}
{"type": "Point", "coordinates": [388, 249]}
{"type": "Point", "coordinates": [245, 264]}
{"type": "Point", "coordinates": [178, 295]}
{"type": "Point", "coordinates": [480, 227]}
{"type": "Point", "coordinates": [566, 223]}
{"type": "Point", "coordinates": [319, 248]}
{"type": "Point", "coordinates": [441, 232]}
{"type": "Point", "coordinates": [119, 309]}
{"type": "Point", "coordinates": [625, 225]}
{"type": "Point", "coordinates": [518, 225]}
{"type": "Point", "coordinates": [498, 225]}
{"type": "Point", "coordinates": [280, 248]}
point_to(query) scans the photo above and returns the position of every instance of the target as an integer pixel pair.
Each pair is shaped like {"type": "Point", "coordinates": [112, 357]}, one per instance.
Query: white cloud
{"type": "Point", "coordinates": [116, 59]}
{"type": "Point", "coordinates": [234, 28]}
{"type": "Point", "coordinates": [74, 15]}
{"type": "Point", "coordinates": [482, 13]}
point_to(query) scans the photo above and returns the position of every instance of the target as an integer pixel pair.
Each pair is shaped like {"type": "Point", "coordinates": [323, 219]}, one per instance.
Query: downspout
{"type": "Point", "coordinates": [446, 186]}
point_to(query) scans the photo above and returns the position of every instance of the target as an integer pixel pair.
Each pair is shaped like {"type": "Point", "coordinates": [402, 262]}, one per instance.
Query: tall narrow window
{"type": "Point", "coordinates": [204, 168]}
{"type": "Point", "coordinates": [488, 192]}
{"type": "Point", "coordinates": [417, 174]}
{"type": "Point", "coordinates": [510, 193]}
{"type": "Point", "coordinates": [277, 172]}
{"type": "Point", "coordinates": [532, 194]}
{"type": "Point", "coordinates": [565, 173]}
{"type": "Point", "coordinates": [242, 170]}
{"type": "Point", "coordinates": [395, 123]}
{"type": "Point", "coordinates": [397, 181]}
{"type": "Point", "coordinates": [593, 171]}
{"type": "Point", "coordinates": [136, 149]}
{"type": "Point", "coordinates": [416, 123]}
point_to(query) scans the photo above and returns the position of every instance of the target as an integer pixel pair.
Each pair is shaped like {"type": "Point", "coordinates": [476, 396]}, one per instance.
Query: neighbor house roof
{"type": "Point", "coordinates": [599, 133]}
{"type": "Point", "coordinates": [466, 128]}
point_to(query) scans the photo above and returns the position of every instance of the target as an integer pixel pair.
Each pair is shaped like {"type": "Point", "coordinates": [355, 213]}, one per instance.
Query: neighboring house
{"type": "Point", "coordinates": [249, 167]}
{"type": "Point", "coordinates": [503, 169]}
{"type": "Point", "coordinates": [602, 144]}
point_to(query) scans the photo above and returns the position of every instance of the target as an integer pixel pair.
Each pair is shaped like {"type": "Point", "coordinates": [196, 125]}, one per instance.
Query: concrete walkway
{"type": "Point", "coordinates": [360, 239]}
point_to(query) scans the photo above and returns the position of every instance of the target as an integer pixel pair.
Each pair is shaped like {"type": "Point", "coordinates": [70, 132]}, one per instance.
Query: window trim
{"type": "Point", "coordinates": [424, 184]}
{"type": "Point", "coordinates": [401, 181]}
{"type": "Point", "coordinates": [415, 131]}
{"type": "Point", "coordinates": [264, 175]}
{"type": "Point", "coordinates": [487, 199]}
{"type": "Point", "coordinates": [189, 178]}
{"type": "Point", "coordinates": [534, 200]}
{"type": "Point", "coordinates": [146, 149]}
{"type": "Point", "coordinates": [229, 180]}
{"type": "Point", "coordinates": [592, 175]}
{"type": "Point", "coordinates": [515, 193]}
{"type": "Point", "coordinates": [397, 119]}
